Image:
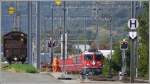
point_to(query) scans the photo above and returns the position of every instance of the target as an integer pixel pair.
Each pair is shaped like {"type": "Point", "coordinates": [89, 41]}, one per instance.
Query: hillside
{"type": "Point", "coordinates": [80, 16]}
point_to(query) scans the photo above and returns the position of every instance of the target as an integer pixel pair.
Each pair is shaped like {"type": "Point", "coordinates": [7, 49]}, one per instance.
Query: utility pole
{"type": "Point", "coordinates": [132, 67]}
{"type": "Point", "coordinates": [35, 37]}
{"type": "Point", "coordinates": [96, 9]}
{"type": "Point", "coordinates": [61, 38]}
{"type": "Point", "coordinates": [63, 47]}
{"type": "Point", "coordinates": [133, 24]}
{"type": "Point", "coordinates": [29, 49]}
{"type": "Point", "coordinates": [38, 36]}
{"type": "Point", "coordinates": [136, 43]}
{"type": "Point", "coordinates": [14, 21]}
{"type": "Point", "coordinates": [85, 34]}
{"type": "Point", "coordinates": [109, 20]}
{"type": "Point", "coordinates": [64, 36]}
{"type": "Point", "coordinates": [110, 70]}
{"type": "Point", "coordinates": [51, 39]}
{"type": "Point", "coordinates": [17, 17]}
{"type": "Point", "coordinates": [12, 11]}
{"type": "Point", "coordinates": [97, 29]}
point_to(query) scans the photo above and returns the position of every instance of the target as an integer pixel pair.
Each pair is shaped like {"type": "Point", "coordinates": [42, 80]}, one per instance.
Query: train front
{"type": "Point", "coordinates": [92, 63]}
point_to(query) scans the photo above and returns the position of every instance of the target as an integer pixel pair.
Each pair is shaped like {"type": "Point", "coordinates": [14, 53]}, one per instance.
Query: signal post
{"type": "Point", "coordinates": [123, 48]}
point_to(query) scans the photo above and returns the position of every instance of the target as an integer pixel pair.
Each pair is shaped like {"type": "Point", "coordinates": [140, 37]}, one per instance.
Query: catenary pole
{"type": "Point", "coordinates": [29, 49]}
{"type": "Point", "coordinates": [38, 35]}
{"type": "Point", "coordinates": [133, 48]}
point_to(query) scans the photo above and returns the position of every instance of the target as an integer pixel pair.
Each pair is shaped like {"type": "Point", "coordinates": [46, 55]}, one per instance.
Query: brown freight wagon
{"type": "Point", "coordinates": [15, 47]}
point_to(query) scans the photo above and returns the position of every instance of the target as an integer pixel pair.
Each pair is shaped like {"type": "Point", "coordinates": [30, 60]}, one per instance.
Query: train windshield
{"type": "Point", "coordinates": [88, 56]}
{"type": "Point", "coordinates": [98, 56]}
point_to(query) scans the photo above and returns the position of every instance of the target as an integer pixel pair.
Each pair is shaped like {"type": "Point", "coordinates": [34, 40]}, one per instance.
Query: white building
{"type": "Point", "coordinates": [82, 47]}
{"type": "Point", "coordinates": [106, 53]}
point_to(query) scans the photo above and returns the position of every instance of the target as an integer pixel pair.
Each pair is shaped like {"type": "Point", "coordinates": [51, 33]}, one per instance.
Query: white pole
{"type": "Point", "coordinates": [35, 40]}
{"type": "Point", "coordinates": [61, 38]}
{"type": "Point", "coordinates": [66, 46]}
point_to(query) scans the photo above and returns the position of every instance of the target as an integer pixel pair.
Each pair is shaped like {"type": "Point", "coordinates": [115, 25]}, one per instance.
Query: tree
{"type": "Point", "coordinates": [105, 70]}
{"type": "Point", "coordinates": [116, 59]}
{"type": "Point", "coordinates": [143, 31]}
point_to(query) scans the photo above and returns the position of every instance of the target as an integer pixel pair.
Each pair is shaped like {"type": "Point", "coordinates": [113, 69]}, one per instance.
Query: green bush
{"type": "Point", "coordinates": [105, 70]}
{"type": "Point", "coordinates": [27, 68]}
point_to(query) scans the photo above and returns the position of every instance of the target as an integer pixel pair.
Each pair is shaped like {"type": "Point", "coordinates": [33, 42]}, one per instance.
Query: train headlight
{"type": "Point", "coordinates": [93, 63]}
{"type": "Point", "coordinates": [87, 64]}
{"type": "Point", "coordinates": [22, 39]}
{"type": "Point", "coordinates": [15, 58]}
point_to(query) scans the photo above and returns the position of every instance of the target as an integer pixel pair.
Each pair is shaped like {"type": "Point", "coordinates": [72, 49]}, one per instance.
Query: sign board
{"type": "Point", "coordinates": [133, 23]}
{"type": "Point", "coordinates": [51, 43]}
{"type": "Point", "coordinates": [132, 34]}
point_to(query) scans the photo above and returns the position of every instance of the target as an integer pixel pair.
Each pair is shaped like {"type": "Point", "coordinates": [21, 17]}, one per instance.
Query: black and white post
{"type": "Point", "coordinates": [133, 24]}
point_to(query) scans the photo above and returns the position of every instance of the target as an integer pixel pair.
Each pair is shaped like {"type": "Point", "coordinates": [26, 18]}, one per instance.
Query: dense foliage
{"type": "Point", "coordinates": [143, 46]}
{"type": "Point", "coordinates": [105, 70]}
{"type": "Point", "coordinates": [143, 31]}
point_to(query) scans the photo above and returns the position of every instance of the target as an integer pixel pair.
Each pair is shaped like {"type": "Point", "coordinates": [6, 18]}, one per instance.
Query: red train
{"type": "Point", "coordinates": [89, 62]}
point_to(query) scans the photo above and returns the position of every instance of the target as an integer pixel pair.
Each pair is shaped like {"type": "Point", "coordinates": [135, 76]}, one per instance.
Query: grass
{"type": "Point", "coordinates": [26, 68]}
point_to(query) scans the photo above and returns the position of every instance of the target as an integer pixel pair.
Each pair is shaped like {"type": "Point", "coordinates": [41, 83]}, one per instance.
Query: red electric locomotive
{"type": "Point", "coordinates": [91, 62]}
{"type": "Point", "coordinates": [88, 63]}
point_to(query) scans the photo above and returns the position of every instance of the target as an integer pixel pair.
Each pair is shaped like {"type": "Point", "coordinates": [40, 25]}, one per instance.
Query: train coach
{"type": "Point", "coordinates": [15, 47]}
